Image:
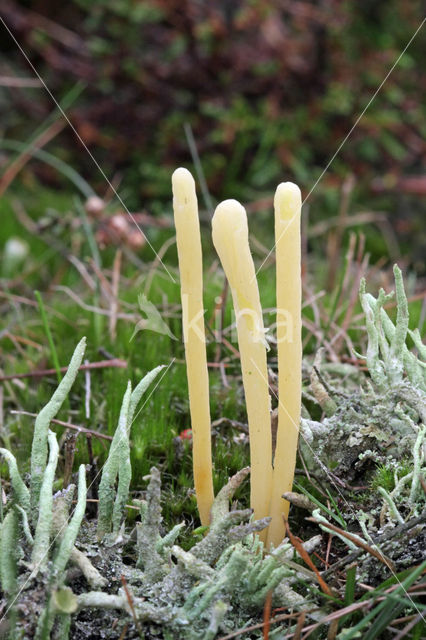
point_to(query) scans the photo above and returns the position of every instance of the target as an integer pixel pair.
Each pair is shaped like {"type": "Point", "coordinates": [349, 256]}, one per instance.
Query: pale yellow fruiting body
{"type": "Point", "coordinates": [287, 204]}
{"type": "Point", "coordinates": [188, 239]}
{"type": "Point", "coordinates": [230, 238]}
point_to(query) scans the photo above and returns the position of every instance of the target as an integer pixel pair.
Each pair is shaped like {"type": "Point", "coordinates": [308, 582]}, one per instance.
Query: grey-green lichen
{"type": "Point", "coordinates": [39, 555]}
{"type": "Point", "coordinates": [381, 422]}
{"type": "Point", "coordinates": [41, 427]}
{"type": "Point", "coordinates": [111, 503]}
{"type": "Point", "coordinates": [218, 585]}
{"type": "Point", "coordinates": [39, 530]}
{"type": "Point", "coordinates": [58, 570]}
{"type": "Point", "coordinates": [8, 552]}
{"type": "Point", "coordinates": [21, 493]}
{"type": "Point", "coordinates": [116, 465]}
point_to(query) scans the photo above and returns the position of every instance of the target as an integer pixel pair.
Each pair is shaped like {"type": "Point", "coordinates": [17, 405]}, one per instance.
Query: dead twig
{"type": "Point", "coordinates": [357, 542]}
{"type": "Point", "coordinates": [69, 457]}
{"type": "Point", "coordinates": [254, 627]}
{"type": "Point", "coordinates": [88, 307]}
{"type": "Point", "coordinates": [412, 623]}
{"type": "Point", "coordinates": [88, 389]}
{"type": "Point", "coordinates": [131, 606]}
{"type": "Point", "coordinates": [297, 544]}
{"type": "Point", "coordinates": [96, 501]}
{"type": "Point", "coordinates": [123, 633]}
{"type": "Point", "coordinates": [101, 364]}
{"type": "Point", "coordinates": [232, 423]}
{"type": "Point", "coordinates": [68, 425]}
{"type": "Point", "coordinates": [22, 159]}
{"type": "Point", "coordinates": [299, 626]}
{"type": "Point", "coordinates": [388, 535]}
{"type": "Point", "coordinates": [12, 81]}
{"type": "Point", "coordinates": [267, 616]}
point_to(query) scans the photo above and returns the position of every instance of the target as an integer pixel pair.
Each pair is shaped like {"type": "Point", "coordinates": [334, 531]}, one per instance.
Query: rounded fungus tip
{"type": "Point", "coordinates": [287, 200]}
{"type": "Point", "coordinates": [229, 215]}
{"type": "Point", "coordinates": [182, 176]}
{"type": "Point", "coordinates": [183, 186]}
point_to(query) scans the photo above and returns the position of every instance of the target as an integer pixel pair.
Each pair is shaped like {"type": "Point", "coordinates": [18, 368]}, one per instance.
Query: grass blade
{"type": "Point", "coordinates": [53, 351]}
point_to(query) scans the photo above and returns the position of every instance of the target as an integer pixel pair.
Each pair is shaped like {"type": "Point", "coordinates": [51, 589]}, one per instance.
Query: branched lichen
{"type": "Point", "coordinates": [148, 532]}
{"type": "Point", "coordinates": [419, 454]}
{"type": "Point", "coordinates": [22, 495]}
{"type": "Point", "coordinates": [391, 505]}
{"type": "Point", "coordinates": [25, 524]}
{"type": "Point", "coordinates": [112, 503]}
{"type": "Point", "coordinates": [41, 427]}
{"type": "Point", "coordinates": [44, 523]}
{"type": "Point", "coordinates": [222, 520]}
{"type": "Point", "coordinates": [380, 424]}
{"type": "Point", "coordinates": [61, 506]}
{"type": "Point", "coordinates": [119, 451]}
{"type": "Point", "coordinates": [70, 534]}
{"type": "Point", "coordinates": [8, 552]}
{"type": "Point", "coordinates": [320, 392]}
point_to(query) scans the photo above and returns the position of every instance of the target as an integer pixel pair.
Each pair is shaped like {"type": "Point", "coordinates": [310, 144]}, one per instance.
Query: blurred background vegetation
{"type": "Point", "coordinates": [268, 89]}
{"type": "Point", "coordinates": [245, 94]}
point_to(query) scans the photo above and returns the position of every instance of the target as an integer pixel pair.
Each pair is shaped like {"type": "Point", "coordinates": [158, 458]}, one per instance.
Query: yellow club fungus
{"type": "Point", "coordinates": [230, 238]}
{"type": "Point", "coordinates": [270, 477]}
{"type": "Point", "coordinates": [287, 205]}
{"type": "Point", "coordinates": [188, 239]}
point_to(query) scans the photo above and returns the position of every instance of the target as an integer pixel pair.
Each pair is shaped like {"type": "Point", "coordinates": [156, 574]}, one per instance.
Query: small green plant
{"type": "Point", "coordinates": [383, 477]}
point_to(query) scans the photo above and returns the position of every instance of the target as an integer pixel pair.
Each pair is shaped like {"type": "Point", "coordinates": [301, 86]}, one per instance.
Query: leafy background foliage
{"type": "Point", "coordinates": [269, 88]}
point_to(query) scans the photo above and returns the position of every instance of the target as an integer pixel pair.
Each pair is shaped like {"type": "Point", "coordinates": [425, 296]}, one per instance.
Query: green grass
{"type": "Point", "coordinates": [165, 407]}
{"type": "Point", "coordinates": [164, 414]}
{"type": "Point", "coordinates": [66, 231]}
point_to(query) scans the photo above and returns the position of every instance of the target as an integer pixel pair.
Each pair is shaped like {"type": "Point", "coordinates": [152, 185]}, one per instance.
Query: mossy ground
{"type": "Point", "coordinates": [73, 281]}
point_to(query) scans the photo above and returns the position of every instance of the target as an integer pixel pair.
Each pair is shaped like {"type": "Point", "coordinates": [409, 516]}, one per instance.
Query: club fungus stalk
{"type": "Point", "coordinates": [191, 281]}
{"type": "Point", "coordinates": [230, 238]}
{"type": "Point", "coordinates": [287, 204]}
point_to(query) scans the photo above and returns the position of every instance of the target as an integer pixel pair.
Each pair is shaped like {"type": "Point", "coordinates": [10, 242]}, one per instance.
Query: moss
{"type": "Point", "coordinates": [383, 477]}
